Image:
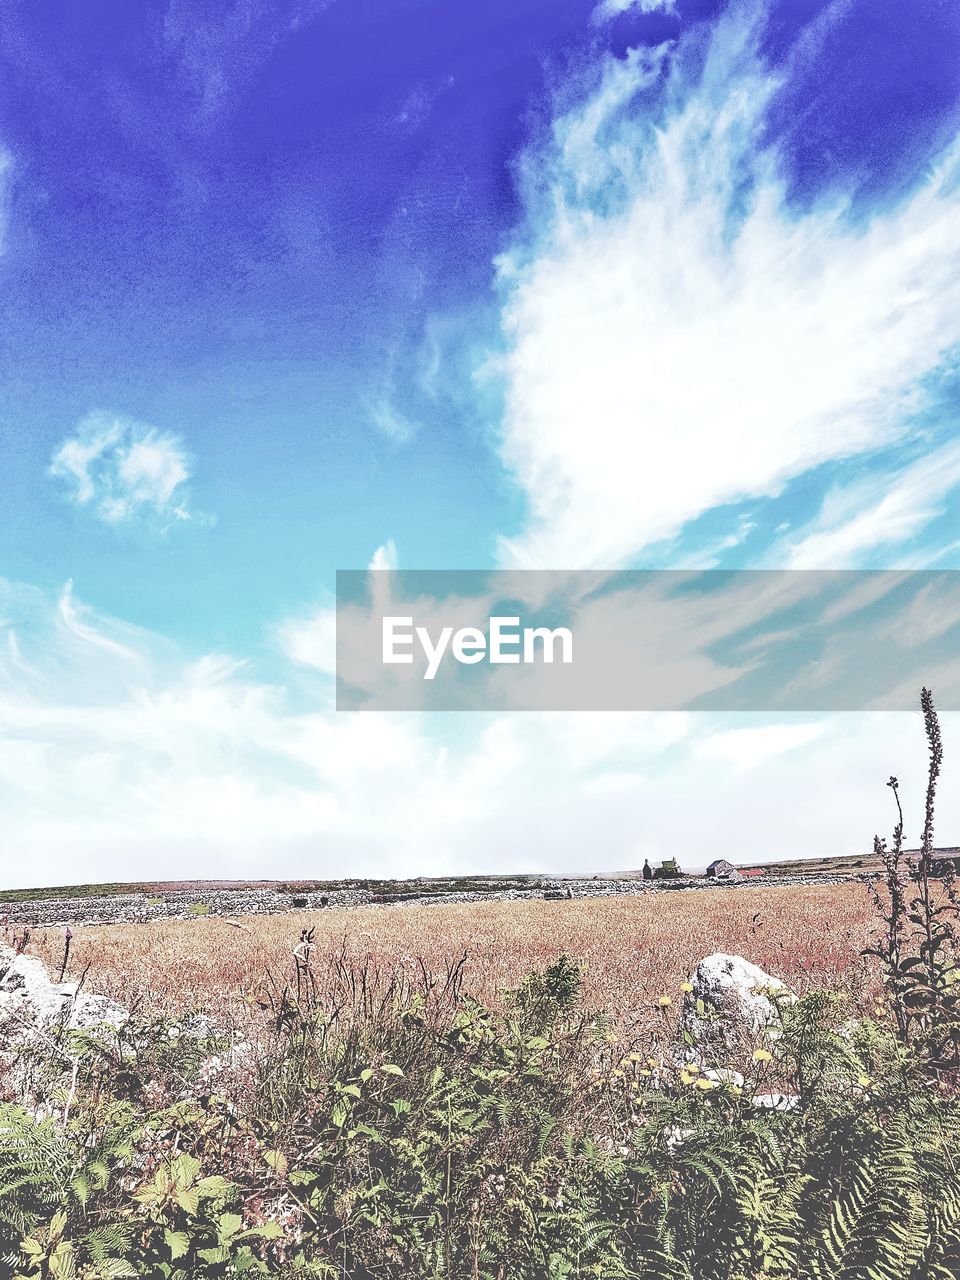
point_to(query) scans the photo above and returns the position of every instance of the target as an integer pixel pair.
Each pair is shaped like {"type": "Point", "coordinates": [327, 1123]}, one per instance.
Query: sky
{"type": "Point", "coordinates": [303, 287]}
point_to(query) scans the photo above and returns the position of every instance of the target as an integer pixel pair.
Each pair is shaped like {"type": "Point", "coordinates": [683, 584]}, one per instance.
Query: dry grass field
{"type": "Point", "coordinates": [633, 949]}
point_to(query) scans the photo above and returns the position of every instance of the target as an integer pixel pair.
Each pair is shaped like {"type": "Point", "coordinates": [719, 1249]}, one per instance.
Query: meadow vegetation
{"type": "Point", "coordinates": [365, 1112]}
{"type": "Point", "coordinates": [631, 949]}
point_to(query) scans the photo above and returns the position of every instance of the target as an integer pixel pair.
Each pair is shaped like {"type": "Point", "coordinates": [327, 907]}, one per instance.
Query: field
{"type": "Point", "coordinates": [370, 1123]}
{"type": "Point", "coordinates": [633, 949]}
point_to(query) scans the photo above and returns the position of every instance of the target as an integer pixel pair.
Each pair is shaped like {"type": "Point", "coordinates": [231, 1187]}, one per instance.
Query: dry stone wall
{"type": "Point", "coordinates": [199, 900]}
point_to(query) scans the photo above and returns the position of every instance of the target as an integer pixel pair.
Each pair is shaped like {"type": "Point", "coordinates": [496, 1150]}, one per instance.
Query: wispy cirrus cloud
{"type": "Point", "coordinates": [680, 335]}
{"type": "Point", "coordinates": [390, 421]}
{"type": "Point", "coordinates": [217, 54]}
{"type": "Point", "coordinates": [6, 175]}
{"type": "Point", "coordinates": [883, 510]}
{"type": "Point", "coordinates": [124, 471]}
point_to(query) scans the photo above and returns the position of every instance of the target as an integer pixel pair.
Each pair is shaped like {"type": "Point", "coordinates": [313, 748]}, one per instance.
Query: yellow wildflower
{"type": "Point", "coordinates": [762, 1055]}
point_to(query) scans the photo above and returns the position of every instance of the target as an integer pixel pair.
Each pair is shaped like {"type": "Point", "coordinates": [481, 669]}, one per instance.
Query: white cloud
{"type": "Point", "coordinates": [390, 422]}
{"type": "Point", "coordinates": [678, 334]}
{"type": "Point", "coordinates": [121, 759]}
{"type": "Point", "coordinates": [757, 745]}
{"type": "Point", "coordinates": [312, 641]}
{"type": "Point", "coordinates": [124, 471]}
{"type": "Point", "coordinates": [6, 173]}
{"type": "Point", "coordinates": [613, 8]}
{"type": "Point", "coordinates": [879, 511]}
{"type": "Point", "coordinates": [385, 556]}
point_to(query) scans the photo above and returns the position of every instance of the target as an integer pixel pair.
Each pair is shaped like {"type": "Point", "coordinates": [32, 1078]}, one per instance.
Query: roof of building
{"type": "Point", "coordinates": [720, 863]}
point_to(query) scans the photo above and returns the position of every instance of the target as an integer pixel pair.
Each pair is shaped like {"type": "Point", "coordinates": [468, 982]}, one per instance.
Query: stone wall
{"type": "Point", "coordinates": [184, 904]}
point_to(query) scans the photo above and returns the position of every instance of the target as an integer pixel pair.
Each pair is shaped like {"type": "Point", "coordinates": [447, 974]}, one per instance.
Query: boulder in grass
{"type": "Point", "coordinates": [731, 1003]}
{"type": "Point", "coordinates": [34, 1010]}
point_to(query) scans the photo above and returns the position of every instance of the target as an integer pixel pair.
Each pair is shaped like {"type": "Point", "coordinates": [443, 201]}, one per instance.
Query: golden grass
{"type": "Point", "coordinates": [632, 948]}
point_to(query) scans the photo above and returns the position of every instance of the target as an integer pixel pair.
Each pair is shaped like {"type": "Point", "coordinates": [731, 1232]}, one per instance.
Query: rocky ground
{"type": "Point", "coordinates": [199, 900]}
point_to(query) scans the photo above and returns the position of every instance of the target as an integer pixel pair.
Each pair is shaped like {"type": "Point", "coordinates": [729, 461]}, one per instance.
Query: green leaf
{"type": "Point", "coordinates": [228, 1225]}
{"type": "Point", "coordinates": [189, 1201]}
{"type": "Point", "coordinates": [270, 1230]}
{"type": "Point", "coordinates": [277, 1161]}
{"type": "Point", "coordinates": [184, 1170]}
{"type": "Point", "coordinates": [219, 1253]}
{"type": "Point", "coordinates": [214, 1186]}
{"type": "Point", "coordinates": [178, 1242]}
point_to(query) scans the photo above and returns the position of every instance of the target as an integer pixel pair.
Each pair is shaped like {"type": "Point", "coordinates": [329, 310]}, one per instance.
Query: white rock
{"type": "Point", "coordinates": [731, 1003]}
{"type": "Point", "coordinates": [34, 1010]}
{"type": "Point", "coordinates": [776, 1101]}
{"type": "Point", "coordinates": [725, 1075]}
{"type": "Point", "coordinates": [35, 1014]}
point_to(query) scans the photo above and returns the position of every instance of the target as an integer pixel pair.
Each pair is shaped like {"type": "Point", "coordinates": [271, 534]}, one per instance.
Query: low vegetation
{"type": "Point", "coordinates": [631, 949]}
{"type": "Point", "coordinates": [392, 1118]}
{"type": "Point", "coordinates": [417, 1133]}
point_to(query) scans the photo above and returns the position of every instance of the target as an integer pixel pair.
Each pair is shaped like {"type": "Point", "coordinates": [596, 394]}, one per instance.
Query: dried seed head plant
{"type": "Point", "coordinates": [917, 900]}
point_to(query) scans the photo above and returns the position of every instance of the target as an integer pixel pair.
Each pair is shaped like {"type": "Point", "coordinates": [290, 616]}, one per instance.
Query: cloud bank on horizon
{"type": "Point", "coordinates": [121, 759]}
{"type": "Point", "coordinates": [691, 358]}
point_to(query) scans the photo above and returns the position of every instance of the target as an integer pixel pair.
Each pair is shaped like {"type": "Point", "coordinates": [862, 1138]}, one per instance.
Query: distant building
{"type": "Point", "coordinates": [752, 872]}
{"type": "Point", "coordinates": [668, 870]}
{"type": "Point", "coordinates": [720, 869]}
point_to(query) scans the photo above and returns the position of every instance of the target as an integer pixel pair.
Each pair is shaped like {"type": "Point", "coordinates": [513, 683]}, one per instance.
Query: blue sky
{"type": "Point", "coordinates": [530, 284]}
